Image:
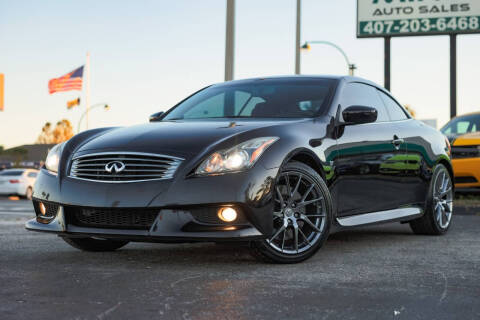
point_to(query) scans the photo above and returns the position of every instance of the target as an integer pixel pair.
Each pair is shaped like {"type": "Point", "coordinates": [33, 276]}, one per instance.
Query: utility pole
{"type": "Point", "coordinates": [297, 38]}
{"type": "Point", "coordinates": [230, 41]}
{"type": "Point", "coordinates": [387, 64]}
{"type": "Point", "coordinates": [87, 85]}
{"type": "Point", "coordinates": [453, 75]}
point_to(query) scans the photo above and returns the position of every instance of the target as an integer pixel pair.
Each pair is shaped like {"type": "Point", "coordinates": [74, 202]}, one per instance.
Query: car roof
{"type": "Point", "coordinates": [468, 114]}
{"type": "Point", "coordinates": [286, 78]}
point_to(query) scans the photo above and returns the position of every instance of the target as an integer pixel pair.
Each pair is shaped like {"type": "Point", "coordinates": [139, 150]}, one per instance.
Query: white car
{"type": "Point", "coordinates": [18, 182]}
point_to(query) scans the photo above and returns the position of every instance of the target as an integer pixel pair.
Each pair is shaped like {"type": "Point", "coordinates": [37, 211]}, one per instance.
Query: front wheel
{"type": "Point", "coordinates": [301, 219]}
{"type": "Point", "coordinates": [97, 245]}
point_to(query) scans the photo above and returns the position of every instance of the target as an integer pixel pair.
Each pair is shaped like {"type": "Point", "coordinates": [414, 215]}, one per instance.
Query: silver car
{"type": "Point", "coordinates": [18, 182]}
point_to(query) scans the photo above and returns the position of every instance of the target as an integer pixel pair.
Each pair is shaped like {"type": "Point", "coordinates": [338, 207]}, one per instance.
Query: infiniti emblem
{"type": "Point", "coordinates": [115, 167]}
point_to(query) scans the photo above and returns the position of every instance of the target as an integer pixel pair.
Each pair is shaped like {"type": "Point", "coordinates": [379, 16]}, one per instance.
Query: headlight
{"type": "Point", "coordinates": [53, 158]}
{"type": "Point", "coordinates": [240, 157]}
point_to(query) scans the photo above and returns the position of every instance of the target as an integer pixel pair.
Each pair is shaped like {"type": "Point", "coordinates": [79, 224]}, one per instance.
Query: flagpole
{"type": "Point", "coordinates": [87, 86]}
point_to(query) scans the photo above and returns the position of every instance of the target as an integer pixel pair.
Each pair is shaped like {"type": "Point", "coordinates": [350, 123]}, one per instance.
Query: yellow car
{"type": "Point", "coordinates": [464, 135]}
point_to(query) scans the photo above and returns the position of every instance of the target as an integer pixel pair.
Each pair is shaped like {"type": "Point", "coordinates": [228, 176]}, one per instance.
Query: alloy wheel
{"type": "Point", "coordinates": [443, 199]}
{"type": "Point", "coordinates": [299, 216]}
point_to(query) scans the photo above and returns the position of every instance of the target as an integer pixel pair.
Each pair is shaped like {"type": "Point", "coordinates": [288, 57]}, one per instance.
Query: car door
{"type": "Point", "coordinates": [417, 165]}
{"type": "Point", "coordinates": [369, 157]}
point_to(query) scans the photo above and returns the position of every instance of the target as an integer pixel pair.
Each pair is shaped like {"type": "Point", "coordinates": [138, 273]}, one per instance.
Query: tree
{"type": "Point", "coordinates": [410, 110]}
{"type": "Point", "coordinates": [62, 132]}
{"type": "Point", "coordinates": [45, 136]}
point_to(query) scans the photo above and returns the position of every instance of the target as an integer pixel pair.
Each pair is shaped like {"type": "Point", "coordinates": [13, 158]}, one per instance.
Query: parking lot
{"type": "Point", "coordinates": [382, 272]}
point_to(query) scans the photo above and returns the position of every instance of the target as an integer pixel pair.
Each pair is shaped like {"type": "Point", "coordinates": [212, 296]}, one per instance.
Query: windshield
{"type": "Point", "coordinates": [11, 173]}
{"type": "Point", "coordinates": [462, 125]}
{"type": "Point", "coordinates": [301, 98]}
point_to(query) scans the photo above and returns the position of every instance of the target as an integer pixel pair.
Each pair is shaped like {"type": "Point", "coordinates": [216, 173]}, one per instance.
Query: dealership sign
{"type": "Point", "coordinates": [380, 18]}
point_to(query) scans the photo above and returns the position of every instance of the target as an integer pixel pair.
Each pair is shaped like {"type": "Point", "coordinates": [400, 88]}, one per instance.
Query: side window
{"type": "Point", "coordinates": [461, 127]}
{"type": "Point", "coordinates": [394, 109]}
{"type": "Point", "coordinates": [359, 94]}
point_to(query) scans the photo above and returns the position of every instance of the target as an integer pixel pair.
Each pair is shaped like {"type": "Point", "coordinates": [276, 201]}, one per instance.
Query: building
{"type": "Point", "coordinates": [28, 155]}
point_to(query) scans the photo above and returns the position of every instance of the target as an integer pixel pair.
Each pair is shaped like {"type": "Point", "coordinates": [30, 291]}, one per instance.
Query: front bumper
{"type": "Point", "coordinates": [169, 226]}
{"type": "Point", "coordinates": [467, 172]}
{"type": "Point", "coordinates": [175, 204]}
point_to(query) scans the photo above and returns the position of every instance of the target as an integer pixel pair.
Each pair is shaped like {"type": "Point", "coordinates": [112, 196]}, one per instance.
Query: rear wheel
{"type": "Point", "coordinates": [90, 244]}
{"type": "Point", "coordinates": [301, 218]}
{"type": "Point", "coordinates": [439, 205]}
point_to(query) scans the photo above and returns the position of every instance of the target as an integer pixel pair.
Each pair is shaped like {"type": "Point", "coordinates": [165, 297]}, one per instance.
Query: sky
{"type": "Point", "coordinates": [148, 55]}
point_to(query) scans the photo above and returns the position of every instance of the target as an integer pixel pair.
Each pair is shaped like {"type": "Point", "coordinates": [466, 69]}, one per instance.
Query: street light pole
{"type": "Point", "coordinates": [104, 105]}
{"type": "Point", "coordinates": [351, 67]}
{"type": "Point", "coordinates": [297, 38]}
{"type": "Point", "coordinates": [230, 41]}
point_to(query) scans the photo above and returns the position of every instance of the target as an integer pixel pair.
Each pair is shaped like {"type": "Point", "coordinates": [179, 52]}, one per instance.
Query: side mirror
{"type": "Point", "coordinates": [359, 115]}
{"type": "Point", "coordinates": [156, 116]}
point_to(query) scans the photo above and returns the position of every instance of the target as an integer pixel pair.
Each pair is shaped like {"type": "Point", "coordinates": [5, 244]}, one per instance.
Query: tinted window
{"type": "Point", "coordinates": [32, 174]}
{"type": "Point", "coordinates": [462, 125]}
{"type": "Point", "coordinates": [11, 173]}
{"type": "Point", "coordinates": [394, 109]}
{"type": "Point", "coordinates": [358, 94]}
{"type": "Point", "coordinates": [257, 99]}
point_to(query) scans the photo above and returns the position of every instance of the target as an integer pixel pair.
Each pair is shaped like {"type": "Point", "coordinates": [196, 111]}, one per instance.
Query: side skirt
{"type": "Point", "coordinates": [400, 214]}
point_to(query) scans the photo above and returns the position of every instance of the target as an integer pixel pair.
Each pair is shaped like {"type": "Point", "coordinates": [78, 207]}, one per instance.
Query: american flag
{"type": "Point", "coordinates": [70, 81]}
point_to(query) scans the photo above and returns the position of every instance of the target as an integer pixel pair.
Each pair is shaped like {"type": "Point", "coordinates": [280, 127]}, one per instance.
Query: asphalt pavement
{"type": "Point", "coordinates": [382, 272]}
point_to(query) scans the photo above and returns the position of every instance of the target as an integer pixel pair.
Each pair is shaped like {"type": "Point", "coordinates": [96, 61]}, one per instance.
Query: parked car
{"type": "Point", "coordinates": [278, 163]}
{"type": "Point", "coordinates": [18, 182]}
{"type": "Point", "coordinates": [464, 134]}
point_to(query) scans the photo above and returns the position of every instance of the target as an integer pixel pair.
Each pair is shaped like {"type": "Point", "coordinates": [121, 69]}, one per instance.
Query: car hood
{"type": "Point", "coordinates": [468, 139]}
{"type": "Point", "coordinates": [175, 137]}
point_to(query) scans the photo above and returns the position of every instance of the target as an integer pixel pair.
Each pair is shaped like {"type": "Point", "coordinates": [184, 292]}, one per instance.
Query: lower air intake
{"type": "Point", "coordinates": [111, 218]}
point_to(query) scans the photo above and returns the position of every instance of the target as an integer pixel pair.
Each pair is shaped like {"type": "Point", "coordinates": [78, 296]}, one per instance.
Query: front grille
{"type": "Point", "coordinates": [111, 218]}
{"type": "Point", "coordinates": [465, 152]}
{"type": "Point", "coordinates": [467, 179]}
{"type": "Point", "coordinates": [124, 167]}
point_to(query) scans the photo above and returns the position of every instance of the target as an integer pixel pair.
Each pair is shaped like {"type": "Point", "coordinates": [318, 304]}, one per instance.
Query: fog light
{"type": "Point", "coordinates": [42, 208]}
{"type": "Point", "coordinates": [227, 214]}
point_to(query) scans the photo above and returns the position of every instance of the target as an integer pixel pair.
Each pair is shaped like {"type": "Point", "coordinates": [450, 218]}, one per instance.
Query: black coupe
{"type": "Point", "coordinates": [278, 163]}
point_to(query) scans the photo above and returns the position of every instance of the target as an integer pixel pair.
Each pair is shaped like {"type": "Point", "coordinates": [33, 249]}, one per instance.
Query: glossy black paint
{"type": "Point", "coordinates": [359, 115]}
{"type": "Point", "coordinates": [368, 167]}
{"type": "Point", "coordinates": [156, 116]}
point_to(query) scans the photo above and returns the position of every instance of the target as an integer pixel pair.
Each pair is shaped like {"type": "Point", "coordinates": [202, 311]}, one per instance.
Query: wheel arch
{"type": "Point", "coordinates": [308, 158]}
{"type": "Point", "coordinates": [449, 167]}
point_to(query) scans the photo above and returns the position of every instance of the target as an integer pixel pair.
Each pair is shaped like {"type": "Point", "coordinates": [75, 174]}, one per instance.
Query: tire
{"type": "Point", "coordinates": [295, 239]}
{"type": "Point", "coordinates": [438, 206]}
{"type": "Point", "coordinates": [29, 193]}
{"type": "Point", "coordinates": [95, 245]}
